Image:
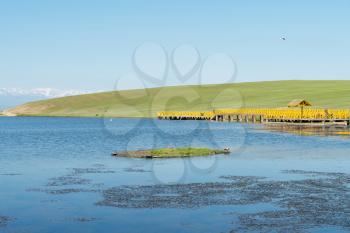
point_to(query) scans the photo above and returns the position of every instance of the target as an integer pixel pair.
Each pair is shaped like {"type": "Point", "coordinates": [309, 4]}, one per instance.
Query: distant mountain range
{"type": "Point", "coordinates": [10, 97]}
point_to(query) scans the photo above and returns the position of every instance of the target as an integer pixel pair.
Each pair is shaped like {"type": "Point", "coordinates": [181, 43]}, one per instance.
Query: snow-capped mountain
{"type": "Point", "coordinates": [40, 92]}
{"type": "Point", "coordinates": [10, 97]}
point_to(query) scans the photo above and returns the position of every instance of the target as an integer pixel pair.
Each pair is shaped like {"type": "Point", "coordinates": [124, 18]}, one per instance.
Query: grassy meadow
{"type": "Point", "coordinates": [147, 102]}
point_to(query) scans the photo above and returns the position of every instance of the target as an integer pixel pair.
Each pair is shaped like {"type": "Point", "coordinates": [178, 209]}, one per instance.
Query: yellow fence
{"type": "Point", "coordinates": [265, 112]}
{"type": "Point", "coordinates": [206, 114]}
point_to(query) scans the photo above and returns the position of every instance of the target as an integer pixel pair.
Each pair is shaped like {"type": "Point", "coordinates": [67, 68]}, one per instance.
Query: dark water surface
{"type": "Point", "coordinates": [57, 175]}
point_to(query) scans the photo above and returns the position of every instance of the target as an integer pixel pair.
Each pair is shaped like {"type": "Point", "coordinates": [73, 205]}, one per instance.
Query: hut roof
{"type": "Point", "coordinates": [299, 103]}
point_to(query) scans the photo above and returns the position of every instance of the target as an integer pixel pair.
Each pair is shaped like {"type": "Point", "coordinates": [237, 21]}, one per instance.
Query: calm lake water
{"type": "Point", "coordinates": [58, 175]}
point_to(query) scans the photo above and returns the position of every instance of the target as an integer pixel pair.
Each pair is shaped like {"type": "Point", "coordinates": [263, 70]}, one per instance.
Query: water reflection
{"type": "Point", "coordinates": [303, 130]}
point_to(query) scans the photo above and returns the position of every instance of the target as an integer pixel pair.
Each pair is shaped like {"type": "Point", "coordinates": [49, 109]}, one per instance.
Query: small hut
{"type": "Point", "coordinates": [299, 103]}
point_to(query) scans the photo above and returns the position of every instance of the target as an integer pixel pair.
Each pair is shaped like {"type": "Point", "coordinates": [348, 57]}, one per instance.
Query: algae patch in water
{"type": "Point", "coordinates": [10, 174]}
{"type": "Point", "coordinates": [191, 195]}
{"type": "Point", "coordinates": [73, 182]}
{"type": "Point", "coordinates": [85, 219]}
{"type": "Point", "coordinates": [4, 220]}
{"type": "Point", "coordinates": [317, 199]}
{"type": "Point", "coordinates": [138, 170]}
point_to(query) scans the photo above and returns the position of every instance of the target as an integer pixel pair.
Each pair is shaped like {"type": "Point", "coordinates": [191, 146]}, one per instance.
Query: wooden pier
{"type": "Point", "coordinates": [319, 117]}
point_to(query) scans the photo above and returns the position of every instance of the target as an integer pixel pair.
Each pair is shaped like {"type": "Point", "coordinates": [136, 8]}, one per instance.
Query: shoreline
{"type": "Point", "coordinates": [156, 118]}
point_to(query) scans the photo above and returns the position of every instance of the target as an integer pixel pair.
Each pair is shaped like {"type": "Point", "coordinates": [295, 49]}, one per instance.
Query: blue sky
{"type": "Point", "coordinates": [87, 45]}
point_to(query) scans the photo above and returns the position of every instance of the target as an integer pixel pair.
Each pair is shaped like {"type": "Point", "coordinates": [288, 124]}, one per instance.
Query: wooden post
{"type": "Point", "coordinates": [302, 112]}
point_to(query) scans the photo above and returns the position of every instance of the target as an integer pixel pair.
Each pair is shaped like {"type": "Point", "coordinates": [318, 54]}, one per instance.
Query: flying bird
{"type": "Point", "coordinates": [283, 38]}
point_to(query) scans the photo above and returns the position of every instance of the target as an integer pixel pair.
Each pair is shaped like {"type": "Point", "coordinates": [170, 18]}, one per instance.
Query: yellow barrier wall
{"type": "Point", "coordinates": [267, 113]}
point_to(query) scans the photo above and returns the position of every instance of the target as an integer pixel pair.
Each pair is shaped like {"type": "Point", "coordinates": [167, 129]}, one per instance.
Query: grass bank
{"type": "Point", "coordinates": [147, 102]}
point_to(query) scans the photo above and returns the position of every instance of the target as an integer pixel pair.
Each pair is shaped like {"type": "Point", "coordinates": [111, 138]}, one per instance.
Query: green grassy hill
{"type": "Point", "coordinates": [146, 103]}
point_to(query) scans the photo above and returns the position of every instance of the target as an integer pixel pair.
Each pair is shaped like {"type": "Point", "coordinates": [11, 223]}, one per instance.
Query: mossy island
{"type": "Point", "coordinates": [171, 152]}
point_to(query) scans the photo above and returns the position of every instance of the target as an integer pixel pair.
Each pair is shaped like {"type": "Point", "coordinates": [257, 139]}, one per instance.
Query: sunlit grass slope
{"type": "Point", "coordinates": [147, 102]}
